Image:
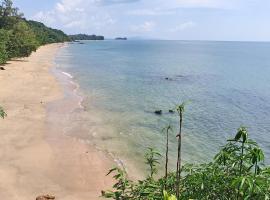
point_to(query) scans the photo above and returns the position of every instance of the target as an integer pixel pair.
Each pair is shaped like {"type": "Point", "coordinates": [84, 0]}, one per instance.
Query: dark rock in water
{"type": "Point", "coordinates": [2, 68]}
{"type": "Point", "coordinates": [168, 79]}
{"type": "Point", "coordinates": [45, 197]}
{"type": "Point", "coordinates": [158, 112]}
{"type": "Point", "coordinates": [81, 43]}
{"type": "Point", "coordinates": [171, 111]}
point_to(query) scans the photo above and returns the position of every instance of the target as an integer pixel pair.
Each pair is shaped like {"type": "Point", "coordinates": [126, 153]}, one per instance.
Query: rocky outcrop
{"type": "Point", "coordinates": [158, 112]}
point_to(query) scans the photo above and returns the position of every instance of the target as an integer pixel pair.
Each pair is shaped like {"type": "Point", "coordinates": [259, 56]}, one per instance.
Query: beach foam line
{"type": "Point", "coordinates": [77, 94]}
{"type": "Point", "coordinates": [67, 74]}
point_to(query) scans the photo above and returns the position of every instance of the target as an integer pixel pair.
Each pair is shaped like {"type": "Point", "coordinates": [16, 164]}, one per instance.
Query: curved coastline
{"type": "Point", "coordinates": [38, 158]}
{"type": "Point", "coordinates": [72, 90]}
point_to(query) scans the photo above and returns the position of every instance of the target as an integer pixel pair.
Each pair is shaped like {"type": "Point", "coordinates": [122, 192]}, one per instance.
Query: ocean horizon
{"type": "Point", "coordinates": [124, 82]}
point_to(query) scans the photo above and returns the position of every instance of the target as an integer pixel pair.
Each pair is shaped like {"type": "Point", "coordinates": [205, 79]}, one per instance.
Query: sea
{"type": "Point", "coordinates": [224, 85]}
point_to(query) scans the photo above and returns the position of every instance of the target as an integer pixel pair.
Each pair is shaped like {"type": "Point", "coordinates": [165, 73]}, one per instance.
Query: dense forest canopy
{"type": "Point", "coordinates": [20, 37]}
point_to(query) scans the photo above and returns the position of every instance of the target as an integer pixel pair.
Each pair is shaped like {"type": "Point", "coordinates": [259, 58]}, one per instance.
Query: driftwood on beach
{"type": "Point", "coordinates": [45, 197]}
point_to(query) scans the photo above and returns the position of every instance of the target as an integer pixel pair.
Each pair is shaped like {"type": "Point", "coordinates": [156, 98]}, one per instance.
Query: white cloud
{"type": "Point", "coordinates": [147, 26]}
{"type": "Point", "coordinates": [82, 14]}
{"type": "Point", "coordinates": [149, 12]}
{"type": "Point", "coordinates": [114, 18]}
{"type": "Point", "coordinates": [213, 4]}
{"type": "Point", "coordinates": [197, 2]}
{"type": "Point", "coordinates": [183, 26]}
{"type": "Point", "coordinates": [204, 3]}
{"type": "Point", "coordinates": [110, 2]}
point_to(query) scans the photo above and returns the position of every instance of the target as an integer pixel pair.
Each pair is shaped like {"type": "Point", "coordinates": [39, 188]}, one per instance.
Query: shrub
{"type": "Point", "coordinates": [236, 172]}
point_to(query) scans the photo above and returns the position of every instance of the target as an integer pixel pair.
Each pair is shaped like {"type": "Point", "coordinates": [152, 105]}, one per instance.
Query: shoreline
{"type": "Point", "coordinates": [72, 90]}
{"type": "Point", "coordinates": [36, 156]}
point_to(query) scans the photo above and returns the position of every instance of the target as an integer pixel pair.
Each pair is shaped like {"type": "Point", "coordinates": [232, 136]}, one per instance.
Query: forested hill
{"type": "Point", "coordinates": [86, 37]}
{"type": "Point", "coordinates": [45, 35]}
{"type": "Point", "coordinates": [20, 37]}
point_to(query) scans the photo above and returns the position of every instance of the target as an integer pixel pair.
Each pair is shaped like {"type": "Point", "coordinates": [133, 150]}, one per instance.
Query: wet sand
{"type": "Point", "coordinates": [36, 157]}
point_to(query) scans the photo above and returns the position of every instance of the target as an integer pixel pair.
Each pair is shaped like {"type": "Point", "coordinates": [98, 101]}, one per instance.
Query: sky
{"type": "Point", "coordinates": [227, 20]}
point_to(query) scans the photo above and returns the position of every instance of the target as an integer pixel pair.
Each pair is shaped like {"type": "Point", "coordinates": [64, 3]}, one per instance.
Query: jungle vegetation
{"type": "Point", "coordinates": [20, 37]}
{"type": "Point", "coordinates": [236, 172]}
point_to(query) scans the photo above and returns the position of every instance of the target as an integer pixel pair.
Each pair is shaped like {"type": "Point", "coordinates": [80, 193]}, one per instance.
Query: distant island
{"type": "Point", "coordinates": [86, 37]}
{"type": "Point", "coordinates": [121, 38]}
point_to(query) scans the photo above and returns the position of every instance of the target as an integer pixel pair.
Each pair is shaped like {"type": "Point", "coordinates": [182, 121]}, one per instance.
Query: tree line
{"type": "Point", "coordinates": [86, 37]}
{"type": "Point", "coordinates": [19, 37]}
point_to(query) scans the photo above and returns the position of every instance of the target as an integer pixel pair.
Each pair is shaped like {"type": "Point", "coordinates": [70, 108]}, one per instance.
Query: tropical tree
{"type": "Point", "coordinates": [167, 130]}
{"type": "Point", "coordinates": [22, 41]}
{"type": "Point", "coordinates": [8, 14]}
{"type": "Point", "coordinates": [180, 110]}
{"type": "Point", "coordinates": [4, 37]}
{"type": "Point", "coordinates": [152, 158]}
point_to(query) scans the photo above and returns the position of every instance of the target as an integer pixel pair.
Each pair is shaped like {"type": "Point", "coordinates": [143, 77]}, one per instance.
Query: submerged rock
{"type": "Point", "coordinates": [45, 197]}
{"type": "Point", "coordinates": [168, 79]}
{"type": "Point", "coordinates": [180, 76]}
{"type": "Point", "coordinates": [158, 112]}
{"type": "Point", "coordinates": [171, 111]}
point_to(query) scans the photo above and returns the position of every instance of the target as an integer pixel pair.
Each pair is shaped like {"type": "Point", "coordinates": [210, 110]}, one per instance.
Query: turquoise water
{"type": "Point", "coordinates": [227, 84]}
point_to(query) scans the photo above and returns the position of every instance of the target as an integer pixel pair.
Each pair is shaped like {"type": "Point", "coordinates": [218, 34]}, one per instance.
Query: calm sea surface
{"type": "Point", "coordinates": [226, 84]}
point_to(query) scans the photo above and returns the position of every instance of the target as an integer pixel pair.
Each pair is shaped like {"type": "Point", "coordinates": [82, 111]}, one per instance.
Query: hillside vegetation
{"type": "Point", "coordinates": [20, 37]}
{"type": "Point", "coordinates": [86, 37]}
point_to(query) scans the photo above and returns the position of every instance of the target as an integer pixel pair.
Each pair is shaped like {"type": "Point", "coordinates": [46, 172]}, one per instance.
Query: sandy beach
{"type": "Point", "coordinates": [36, 159]}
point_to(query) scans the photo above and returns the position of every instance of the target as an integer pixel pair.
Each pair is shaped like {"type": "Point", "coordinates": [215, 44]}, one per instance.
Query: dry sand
{"type": "Point", "coordinates": [33, 159]}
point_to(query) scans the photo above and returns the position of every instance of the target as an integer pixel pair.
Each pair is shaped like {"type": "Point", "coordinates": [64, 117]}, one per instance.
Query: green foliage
{"type": "Point", "coordinates": [8, 14]}
{"type": "Point", "coordinates": [22, 41]}
{"type": "Point", "coordinates": [19, 37]}
{"type": "Point", "coordinates": [2, 113]}
{"type": "Point", "coordinates": [46, 35]}
{"type": "Point", "coordinates": [167, 130]}
{"type": "Point", "coordinates": [180, 109]}
{"type": "Point", "coordinates": [4, 38]}
{"type": "Point", "coordinates": [219, 179]}
{"type": "Point", "coordinates": [122, 188]}
{"type": "Point", "coordinates": [152, 158]}
{"type": "Point", "coordinates": [86, 37]}
{"type": "Point", "coordinates": [236, 172]}
{"type": "Point", "coordinates": [168, 197]}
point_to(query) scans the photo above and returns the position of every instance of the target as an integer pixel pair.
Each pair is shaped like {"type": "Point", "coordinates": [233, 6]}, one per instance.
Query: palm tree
{"type": "Point", "coordinates": [242, 137]}
{"type": "Point", "coordinates": [167, 129]}
{"type": "Point", "coordinates": [180, 109]}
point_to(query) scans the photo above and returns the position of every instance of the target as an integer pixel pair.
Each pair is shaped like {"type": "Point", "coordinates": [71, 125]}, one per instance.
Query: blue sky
{"type": "Point", "coordinates": [242, 20]}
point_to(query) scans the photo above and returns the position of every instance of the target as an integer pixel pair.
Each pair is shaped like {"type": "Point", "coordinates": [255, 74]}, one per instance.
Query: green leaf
{"type": "Point", "coordinates": [2, 113]}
